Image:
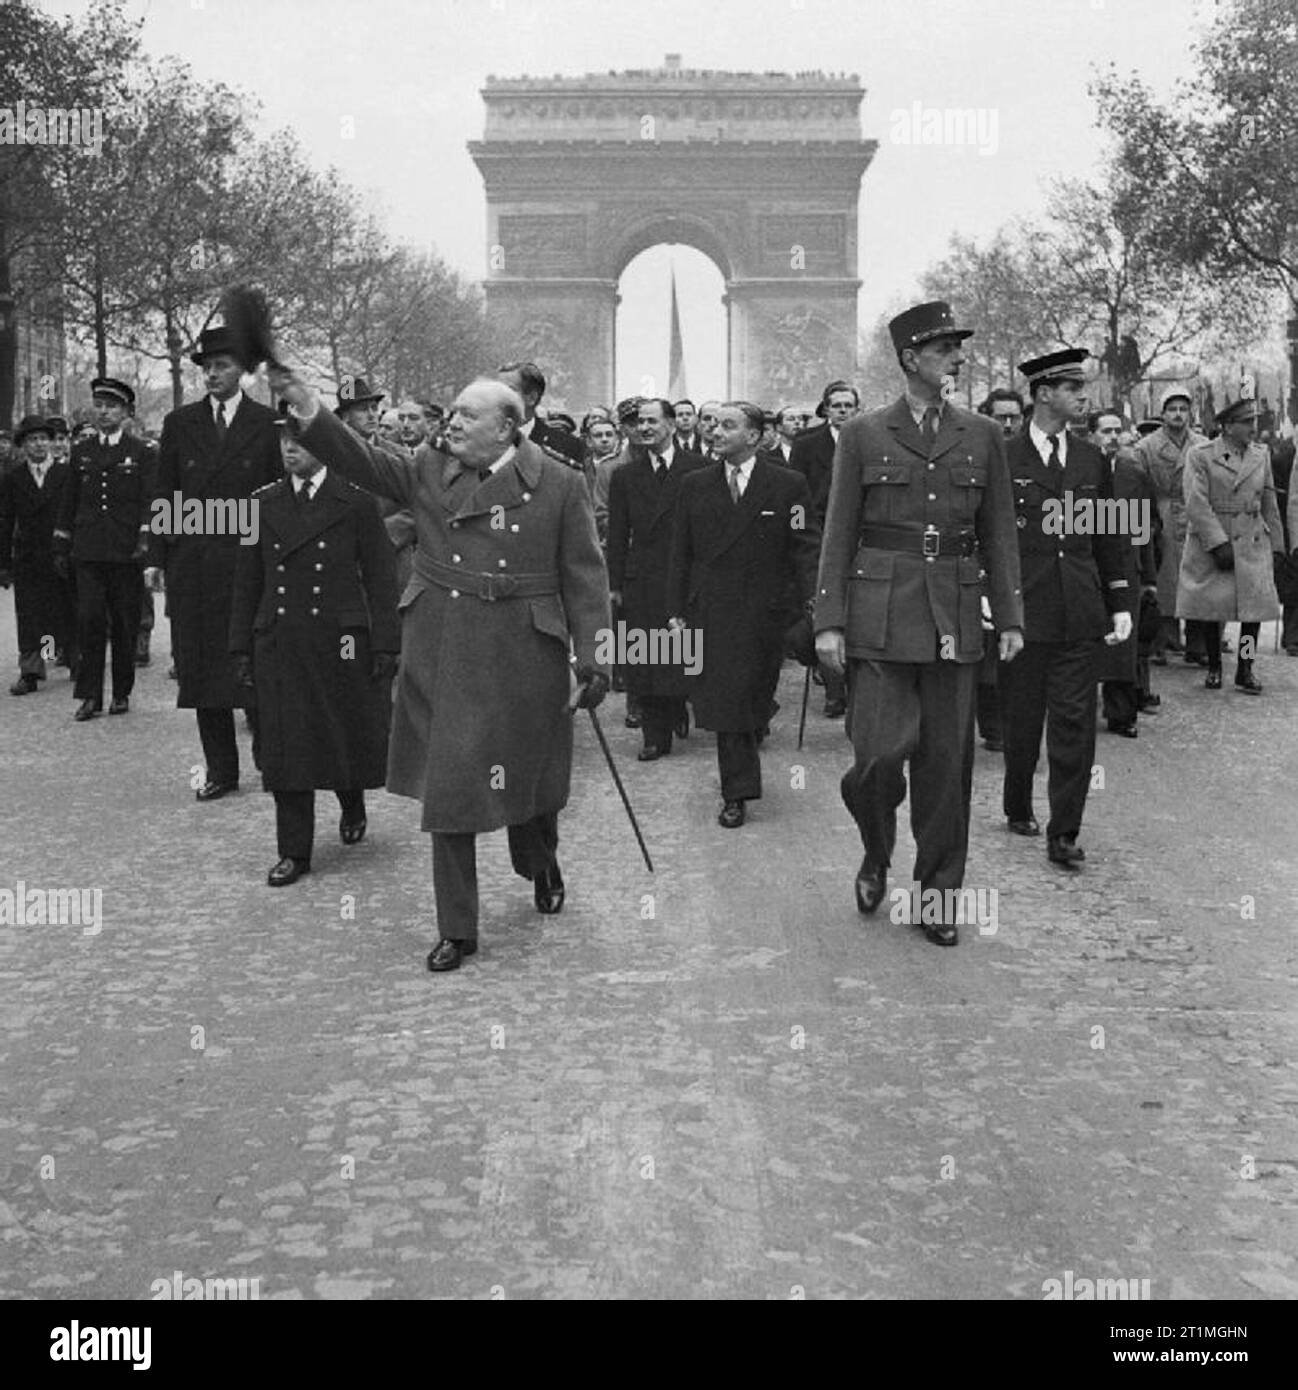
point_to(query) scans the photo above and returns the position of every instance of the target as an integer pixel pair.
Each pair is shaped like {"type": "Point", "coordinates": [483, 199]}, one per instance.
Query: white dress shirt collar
{"type": "Point", "coordinates": [111, 440]}
{"type": "Point", "coordinates": [313, 482]}
{"type": "Point", "coordinates": [1041, 442]}
{"type": "Point", "coordinates": [231, 406]}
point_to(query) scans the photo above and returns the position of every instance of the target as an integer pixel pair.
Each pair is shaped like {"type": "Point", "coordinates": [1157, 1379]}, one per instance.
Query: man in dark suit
{"type": "Point", "coordinates": [218, 451]}
{"type": "Point", "coordinates": [44, 602]}
{"type": "Point", "coordinates": [641, 509]}
{"type": "Point", "coordinates": [314, 626]}
{"type": "Point", "coordinates": [1073, 580]}
{"type": "Point", "coordinates": [1124, 667]}
{"type": "Point", "coordinates": [528, 380]}
{"type": "Point", "coordinates": [812, 455]}
{"type": "Point", "coordinates": [788, 426]}
{"type": "Point", "coordinates": [745, 541]}
{"type": "Point", "coordinates": [103, 529]}
{"type": "Point", "coordinates": [686, 433]}
{"type": "Point", "coordinates": [919, 507]}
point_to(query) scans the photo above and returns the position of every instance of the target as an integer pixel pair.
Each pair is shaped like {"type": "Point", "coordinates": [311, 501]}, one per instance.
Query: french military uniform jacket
{"type": "Point", "coordinates": [889, 486]}
{"type": "Point", "coordinates": [1229, 499]}
{"type": "Point", "coordinates": [507, 577]}
{"type": "Point", "coordinates": [321, 572]}
{"type": "Point", "coordinates": [1072, 579]}
{"type": "Point", "coordinates": [107, 500]}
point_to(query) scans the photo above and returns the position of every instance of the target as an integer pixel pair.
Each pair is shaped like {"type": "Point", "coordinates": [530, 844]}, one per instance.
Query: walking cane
{"type": "Point", "coordinates": [621, 790]}
{"type": "Point", "coordinates": [806, 692]}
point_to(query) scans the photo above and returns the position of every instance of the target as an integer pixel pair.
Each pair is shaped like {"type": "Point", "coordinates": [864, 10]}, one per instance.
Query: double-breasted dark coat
{"type": "Point", "coordinates": [313, 601]}
{"type": "Point", "coordinates": [508, 576]}
{"type": "Point", "coordinates": [1132, 485]}
{"type": "Point", "coordinates": [44, 603]}
{"type": "Point", "coordinates": [739, 574]}
{"type": "Point", "coordinates": [194, 461]}
{"type": "Point", "coordinates": [107, 499]}
{"type": "Point", "coordinates": [1072, 579]}
{"type": "Point", "coordinates": [897, 604]}
{"type": "Point", "coordinates": [1229, 498]}
{"type": "Point", "coordinates": [641, 512]}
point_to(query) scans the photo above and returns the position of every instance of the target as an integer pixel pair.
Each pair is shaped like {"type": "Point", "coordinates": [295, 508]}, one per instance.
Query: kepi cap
{"type": "Point", "coordinates": [922, 322]}
{"type": "Point", "coordinates": [110, 386]}
{"type": "Point", "coordinates": [1054, 367]}
{"type": "Point", "coordinates": [1244, 409]}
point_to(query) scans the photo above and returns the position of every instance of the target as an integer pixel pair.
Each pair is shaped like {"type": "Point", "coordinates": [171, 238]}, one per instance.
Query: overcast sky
{"type": "Point", "coordinates": [408, 73]}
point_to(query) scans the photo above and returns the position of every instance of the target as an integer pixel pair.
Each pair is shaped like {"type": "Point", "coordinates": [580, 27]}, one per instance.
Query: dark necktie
{"type": "Point", "coordinates": [928, 427]}
{"type": "Point", "coordinates": [660, 469]}
{"type": "Point", "coordinates": [304, 495]}
{"type": "Point", "coordinates": [733, 471]}
{"type": "Point", "coordinates": [221, 426]}
{"type": "Point", "coordinates": [1052, 463]}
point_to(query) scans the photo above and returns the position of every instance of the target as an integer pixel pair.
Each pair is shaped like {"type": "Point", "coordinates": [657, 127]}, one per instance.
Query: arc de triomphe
{"type": "Point", "coordinates": [760, 172]}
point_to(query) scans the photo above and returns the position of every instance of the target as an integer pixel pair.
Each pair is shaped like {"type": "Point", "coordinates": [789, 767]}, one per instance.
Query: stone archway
{"type": "Point", "coordinates": [760, 172]}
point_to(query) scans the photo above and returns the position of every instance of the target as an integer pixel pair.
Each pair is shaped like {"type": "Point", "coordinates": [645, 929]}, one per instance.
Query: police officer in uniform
{"type": "Point", "coordinates": [919, 506]}
{"type": "Point", "coordinates": [1070, 577]}
{"type": "Point", "coordinates": [103, 525]}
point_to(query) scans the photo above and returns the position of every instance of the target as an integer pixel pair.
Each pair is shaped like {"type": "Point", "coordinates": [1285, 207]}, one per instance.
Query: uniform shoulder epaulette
{"type": "Point", "coordinates": [562, 458]}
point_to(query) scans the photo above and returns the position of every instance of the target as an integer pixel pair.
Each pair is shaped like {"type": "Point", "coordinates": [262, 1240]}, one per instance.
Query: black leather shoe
{"type": "Point", "coordinates": [1124, 730]}
{"type": "Point", "coordinates": [632, 721]}
{"type": "Point", "coordinates": [448, 954]}
{"type": "Point", "coordinates": [871, 885]}
{"type": "Point", "coordinates": [732, 815]}
{"type": "Point", "coordinates": [1061, 851]}
{"type": "Point", "coordinates": [547, 891]}
{"type": "Point", "coordinates": [1145, 703]}
{"type": "Point", "coordinates": [214, 791]}
{"type": "Point", "coordinates": [24, 685]}
{"type": "Point", "coordinates": [943, 934]}
{"type": "Point", "coordinates": [1248, 683]}
{"type": "Point", "coordinates": [87, 709]}
{"type": "Point", "coordinates": [682, 726]}
{"type": "Point", "coordinates": [287, 871]}
{"type": "Point", "coordinates": [835, 709]}
{"type": "Point", "coordinates": [119, 704]}
{"type": "Point", "coordinates": [1212, 681]}
{"type": "Point", "coordinates": [1025, 827]}
{"type": "Point", "coordinates": [351, 831]}
{"type": "Point", "coordinates": [650, 753]}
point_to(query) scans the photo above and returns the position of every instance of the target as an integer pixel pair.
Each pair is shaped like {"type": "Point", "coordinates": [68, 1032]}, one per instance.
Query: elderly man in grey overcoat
{"type": "Point", "coordinates": [508, 595]}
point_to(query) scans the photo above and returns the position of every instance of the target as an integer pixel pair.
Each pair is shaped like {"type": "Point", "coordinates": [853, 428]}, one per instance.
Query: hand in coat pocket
{"type": "Point", "coordinates": [1223, 556]}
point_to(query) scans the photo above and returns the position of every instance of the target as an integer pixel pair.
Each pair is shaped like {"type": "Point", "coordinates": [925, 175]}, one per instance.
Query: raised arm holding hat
{"type": "Point", "coordinates": [919, 505]}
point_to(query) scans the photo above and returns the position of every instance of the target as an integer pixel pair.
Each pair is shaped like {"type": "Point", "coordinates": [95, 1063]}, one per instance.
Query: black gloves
{"type": "Point", "coordinates": [383, 667]}
{"type": "Point", "coordinates": [592, 687]}
{"type": "Point", "coordinates": [243, 672]}
{"type": "Point", "coordinates": [1223, 556]}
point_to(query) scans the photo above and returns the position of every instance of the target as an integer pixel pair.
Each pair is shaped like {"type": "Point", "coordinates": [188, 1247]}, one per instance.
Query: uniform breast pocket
{"type": "Point", "coordinates": [885, 490]}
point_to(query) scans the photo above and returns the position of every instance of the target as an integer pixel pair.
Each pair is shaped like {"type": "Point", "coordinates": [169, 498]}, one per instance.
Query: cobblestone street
{"type": "Point", "coordinates": [718, 1081]}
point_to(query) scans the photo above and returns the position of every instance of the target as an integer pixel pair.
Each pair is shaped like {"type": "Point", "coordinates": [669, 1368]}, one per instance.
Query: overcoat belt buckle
{"type": "Point", "coordinates": [494, 586]}
{"type": "Point", "coordinates": [931, 542]}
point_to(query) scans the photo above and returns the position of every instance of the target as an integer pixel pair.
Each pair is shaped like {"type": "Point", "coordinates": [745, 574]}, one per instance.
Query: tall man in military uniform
{"type": "Point", "coordinates": [103, 526]}
{"type": "Point", "coordinates": [1073, 579]}
{"type": "Point", "coordinates": [508, 577]}
{"type": "Point", "coordinates": [919, 506]}
{"type": "Point", "coordinates": [44, 602]}
{"type": "Point", "coordinates": [221, 448]}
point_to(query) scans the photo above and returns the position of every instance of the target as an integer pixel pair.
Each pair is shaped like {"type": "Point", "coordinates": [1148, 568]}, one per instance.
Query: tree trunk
{"type": "Point", "coordinates": [173, 353]}
{"type": "Point", "coordinates": [101, 323]}
{"type": "Point", "coordinates": [8, 340]}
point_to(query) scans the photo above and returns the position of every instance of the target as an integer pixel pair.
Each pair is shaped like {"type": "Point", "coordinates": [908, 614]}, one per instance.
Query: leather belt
{"type": "Point", "coordinates": [486, 586]}
{"type": "Point", "coordinates": [930, 542]}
